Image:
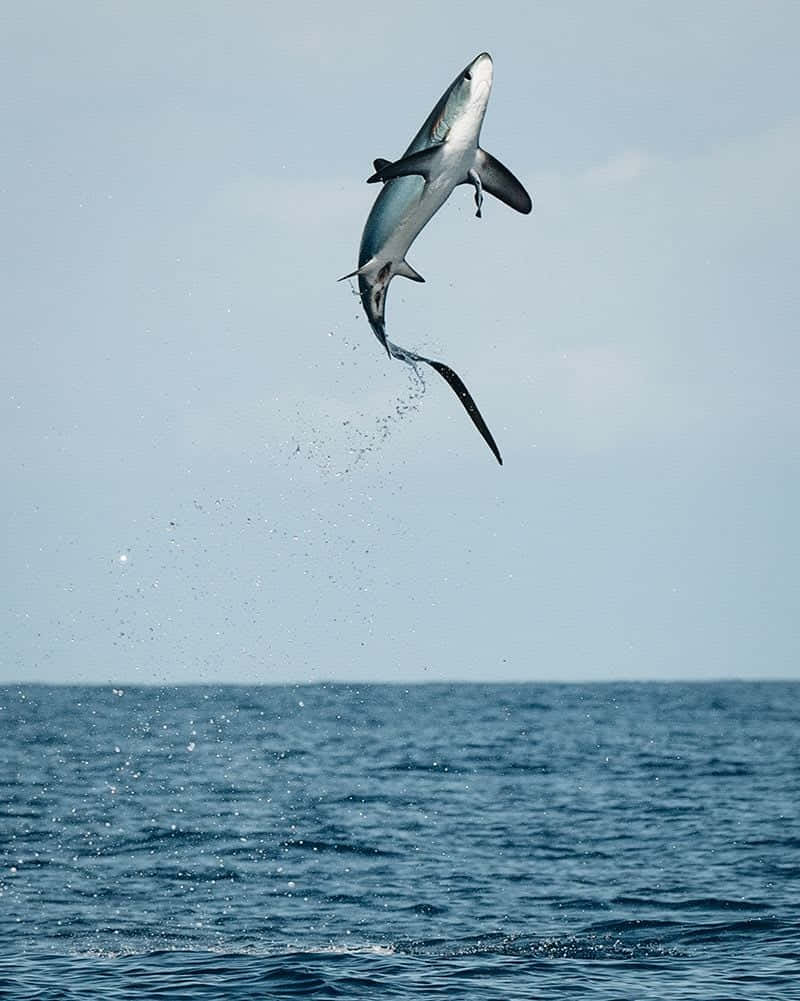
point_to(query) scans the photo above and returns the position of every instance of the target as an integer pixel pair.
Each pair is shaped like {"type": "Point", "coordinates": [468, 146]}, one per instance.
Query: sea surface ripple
{"type": "Point", "coordinates": [438, 841]}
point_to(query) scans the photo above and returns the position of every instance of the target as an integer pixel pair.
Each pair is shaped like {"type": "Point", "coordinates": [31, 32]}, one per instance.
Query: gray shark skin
{"type": "Point", "coordinates": [443, 154]}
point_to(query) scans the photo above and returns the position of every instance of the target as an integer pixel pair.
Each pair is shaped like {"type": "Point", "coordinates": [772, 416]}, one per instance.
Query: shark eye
{"type": "Point", "coordinates": [467, 75]}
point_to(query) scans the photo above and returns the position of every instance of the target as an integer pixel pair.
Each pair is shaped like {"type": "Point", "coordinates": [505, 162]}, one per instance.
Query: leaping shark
{"type": "Point", "coordinates": [442, 155]}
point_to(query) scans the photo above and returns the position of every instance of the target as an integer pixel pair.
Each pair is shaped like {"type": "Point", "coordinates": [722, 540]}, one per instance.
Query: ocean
{"type": "Point", "coordinates": [608, 841]}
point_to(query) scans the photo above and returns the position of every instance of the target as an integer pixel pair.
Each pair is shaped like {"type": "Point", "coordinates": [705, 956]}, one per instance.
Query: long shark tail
{"type": "Point", "coordinates": [455, 382]}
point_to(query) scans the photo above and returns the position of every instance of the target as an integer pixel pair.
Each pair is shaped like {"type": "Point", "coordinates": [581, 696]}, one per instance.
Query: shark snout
{"type": "Point", "coordinates": [480, 69]}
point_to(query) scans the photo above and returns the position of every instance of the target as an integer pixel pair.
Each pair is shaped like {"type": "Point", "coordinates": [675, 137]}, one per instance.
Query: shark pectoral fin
{"type": "Point", "coordinates": [380, 163]}
{"type": "Point", "coordinates": [416, 163]}
{"type": "Point", "coordinates": [405, 270]}
{"type": "Point", "coordinates": [500, 182]}
{"type": "Point", "coordinates": [461, 391]}
{"type": "Point", "coordinates": [475, 179]}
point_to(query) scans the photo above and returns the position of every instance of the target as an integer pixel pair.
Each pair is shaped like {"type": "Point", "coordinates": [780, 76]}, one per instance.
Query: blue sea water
{"type": "Point", "coordinates": [438, 841]}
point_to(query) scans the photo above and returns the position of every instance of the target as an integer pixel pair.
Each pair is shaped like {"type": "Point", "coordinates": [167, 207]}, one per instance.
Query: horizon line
{"type": "Point", "coordinates": [332, 683]}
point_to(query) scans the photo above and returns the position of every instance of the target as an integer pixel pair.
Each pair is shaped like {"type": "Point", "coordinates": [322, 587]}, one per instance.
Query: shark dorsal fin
{"type": "Point", "coordinates": [421, 162]}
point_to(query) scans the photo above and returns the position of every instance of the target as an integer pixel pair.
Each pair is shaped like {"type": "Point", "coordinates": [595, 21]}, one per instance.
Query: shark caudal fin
{"type": "Point", "coordinates": [455, 382]}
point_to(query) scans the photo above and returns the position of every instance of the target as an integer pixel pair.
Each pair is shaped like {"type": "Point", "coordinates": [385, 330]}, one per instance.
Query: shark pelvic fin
{"type": "Point", "coordinates": [380, 163]}
{"type": "Point", "coordinates": [416, 163]}
{"type": "Point", "coordinates": [405, 270]}
{"type": "Point", "coordinates": [500, 182]}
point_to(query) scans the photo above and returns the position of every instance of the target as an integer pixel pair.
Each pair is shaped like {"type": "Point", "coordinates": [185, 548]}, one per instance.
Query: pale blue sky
{"type": "Point", "coordinates": [185, 385]}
